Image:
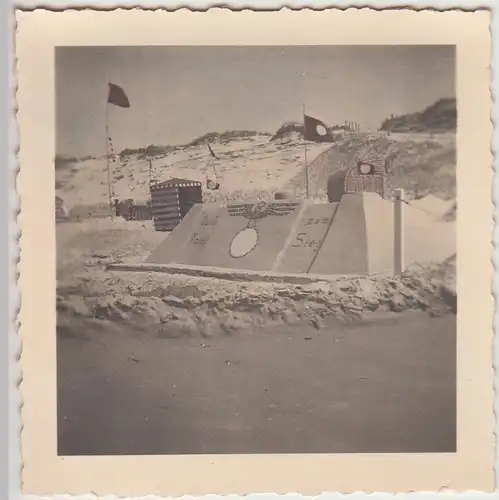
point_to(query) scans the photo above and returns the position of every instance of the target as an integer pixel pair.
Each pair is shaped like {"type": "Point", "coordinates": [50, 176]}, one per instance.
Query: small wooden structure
{"type": "Point", "coordinates": [171, 200]}
{"type": "Point", "coordinates": [130, 210]}
{"type": "Point", "coordinates": [369, 175]}
{"type": "Point", "coordinates": [336, 185]}
{"type": "Point", "coordinates": [142, 211]}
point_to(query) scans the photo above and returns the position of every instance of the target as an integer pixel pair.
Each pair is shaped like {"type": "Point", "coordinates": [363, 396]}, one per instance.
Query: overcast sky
{"type": "Point", "coordinates": [179, 93]}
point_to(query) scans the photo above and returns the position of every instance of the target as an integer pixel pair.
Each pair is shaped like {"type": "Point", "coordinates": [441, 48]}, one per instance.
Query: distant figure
{"type": "Point", "coordinates": [116, 205]}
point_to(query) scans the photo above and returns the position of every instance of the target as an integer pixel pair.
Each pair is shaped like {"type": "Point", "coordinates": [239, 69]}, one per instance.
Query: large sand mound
{"type": "Point", "coordinates": [247, 167]}
{"type": "Point", "coordinates": [420, 165]}
{"type": "Point", "coordinates": [182, 305]}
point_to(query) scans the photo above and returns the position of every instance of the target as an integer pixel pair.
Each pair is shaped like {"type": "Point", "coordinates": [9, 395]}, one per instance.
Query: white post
{"type": "Point", "coordinates": [398, 232]}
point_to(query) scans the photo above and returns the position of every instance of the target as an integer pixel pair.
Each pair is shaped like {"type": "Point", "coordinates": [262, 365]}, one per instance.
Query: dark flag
{"type": "Point", "coordinates": [316, 131]}
{"type": "Point", "coordinates": [212, 153]}
{"type": "Point", "coordinates": [117, 96]}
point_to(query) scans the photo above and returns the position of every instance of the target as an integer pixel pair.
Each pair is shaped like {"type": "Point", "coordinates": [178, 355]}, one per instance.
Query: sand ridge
{"type": "Point", "coordinates": [255, 168]}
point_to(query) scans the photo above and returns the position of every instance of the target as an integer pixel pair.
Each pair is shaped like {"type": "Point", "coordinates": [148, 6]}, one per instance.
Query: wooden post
{"type": "Point", "coordinates": [398, 232]}
{"type": "Point", "coordinates": [108, 166]}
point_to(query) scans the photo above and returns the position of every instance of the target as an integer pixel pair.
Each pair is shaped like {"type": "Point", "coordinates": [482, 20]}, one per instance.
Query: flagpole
{"type": "Point", "coordinates": [149, 159]}
{"type": "Point", "coordinates": [305, 151]}
{"type": "Point", "coordinates": [108, 166]}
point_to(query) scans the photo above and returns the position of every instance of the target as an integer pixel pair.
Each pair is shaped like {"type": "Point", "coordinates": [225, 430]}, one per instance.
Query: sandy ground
{"type": "Point", "coordinates": [151, 363]}
{"type": "Point", "coordinates": [250, 164]}
{"type": "Point", "coordinates": [378, 387]}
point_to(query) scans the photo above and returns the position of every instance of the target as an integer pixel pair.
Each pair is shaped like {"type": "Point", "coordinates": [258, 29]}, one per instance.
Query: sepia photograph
{"type": "Point", "coordinates": [256, 249]}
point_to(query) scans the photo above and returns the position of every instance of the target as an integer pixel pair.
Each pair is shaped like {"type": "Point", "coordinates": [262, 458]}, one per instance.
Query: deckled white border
{"type": "Point", "coordinates": [315, 4]}
{"type": "Point", "coordinates": [253, 4]}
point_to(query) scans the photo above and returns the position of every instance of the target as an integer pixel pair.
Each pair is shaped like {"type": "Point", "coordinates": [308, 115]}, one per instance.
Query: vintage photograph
{"type": "Point", "coordinates": [256, 249]}
{"type": "Point", "coordinates": [259, 254]}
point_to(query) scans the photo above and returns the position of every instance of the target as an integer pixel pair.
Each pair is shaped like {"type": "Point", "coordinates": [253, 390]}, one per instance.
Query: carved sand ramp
{"type": "Point", "coordinates": [307, 239]}
{"type": "Point", "coordinates": [285, 236]}
{"type": "Point", "coordinates": [180, 245]}
{"type": "Point", "coordinates": [345, 247]}
{"type": "Point", "coordinates": [354, 236]}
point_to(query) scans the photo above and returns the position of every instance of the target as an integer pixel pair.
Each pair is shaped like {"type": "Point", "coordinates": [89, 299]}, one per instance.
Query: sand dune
{"type": "Point", "coordinates": [249, 164]}
{"type": "Point", "coordinates": [254, 167]}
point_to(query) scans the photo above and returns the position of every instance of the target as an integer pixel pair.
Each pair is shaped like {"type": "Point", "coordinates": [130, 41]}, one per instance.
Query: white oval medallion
{"type": "Point", "coordinates": [243, 242]}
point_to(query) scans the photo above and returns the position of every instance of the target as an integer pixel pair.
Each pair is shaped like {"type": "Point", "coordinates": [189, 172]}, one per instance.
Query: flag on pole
{"type": "Point", "coordinates": [117, 96]}
{"type": "Point", "coordinates": [315, 131]}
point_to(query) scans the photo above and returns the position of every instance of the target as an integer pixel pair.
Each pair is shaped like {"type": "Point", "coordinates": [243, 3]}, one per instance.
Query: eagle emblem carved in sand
{"type": "Point", "coordinates": [247, 239]}
{"type": "Point", "coordinates": [261, 209]}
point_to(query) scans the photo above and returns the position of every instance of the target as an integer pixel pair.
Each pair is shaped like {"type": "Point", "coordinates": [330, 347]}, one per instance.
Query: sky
{"type": "Point", "coordinates": [178, 93]}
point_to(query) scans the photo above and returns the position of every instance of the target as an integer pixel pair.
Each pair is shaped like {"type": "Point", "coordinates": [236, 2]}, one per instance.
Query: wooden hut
{"type": "Point", "coordinates": [171, 200]}
{"type": "Point", "coordinates": [368, 175]}
{"type": "Point", "coordinates": [142, 211]}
